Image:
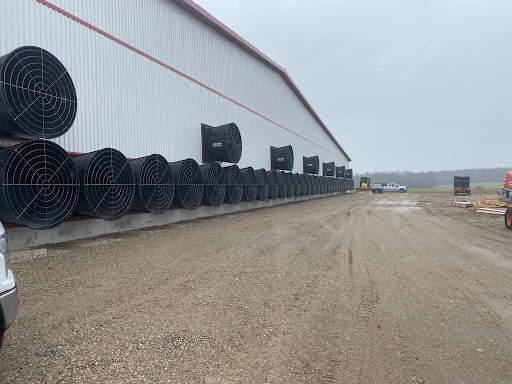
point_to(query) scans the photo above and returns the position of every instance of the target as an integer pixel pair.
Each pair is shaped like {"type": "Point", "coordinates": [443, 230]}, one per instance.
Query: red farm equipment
{"type": "Point", "coordinates": [507, 197]}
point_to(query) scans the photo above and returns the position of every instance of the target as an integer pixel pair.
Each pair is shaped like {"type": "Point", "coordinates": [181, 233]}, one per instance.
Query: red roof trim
{"type": "Point", "coordinates": [195, 10]}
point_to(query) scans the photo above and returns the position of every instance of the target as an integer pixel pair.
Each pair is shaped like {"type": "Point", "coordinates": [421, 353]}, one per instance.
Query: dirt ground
{"type": "Point", "coordinates": [350, 289]}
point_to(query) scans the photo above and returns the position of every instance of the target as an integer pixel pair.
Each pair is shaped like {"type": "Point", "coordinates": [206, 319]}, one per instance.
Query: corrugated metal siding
{"type": "Point", "coordinates": [139, 107]}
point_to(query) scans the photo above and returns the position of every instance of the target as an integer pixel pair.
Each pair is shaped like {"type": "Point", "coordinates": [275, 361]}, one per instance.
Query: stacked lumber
{"type": "Point", "coordinates": [491, 204]}
{"type": "Point", "coordinates": [492, 211]}
{"type": "Point", "coordinates": [462, 204]}
{"type": "Point", "coordinates": [493, 200]}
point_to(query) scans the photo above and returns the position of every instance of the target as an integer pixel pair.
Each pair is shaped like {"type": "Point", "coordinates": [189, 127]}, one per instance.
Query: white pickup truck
{"type": "Point", "coordinates": [8, 294]}
{"type": "Point", "coordinates": [394, 187]}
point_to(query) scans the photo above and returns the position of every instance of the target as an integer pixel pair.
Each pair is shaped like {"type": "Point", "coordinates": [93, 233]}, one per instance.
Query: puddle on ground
{"type": "Point", "coordinates": [494, 257]}
{"type": "Point", "coordinates": [391, 202]}
{"type": "Point", "coordinates": [399, 206]}
{"type": "Point", "coordinates": [404, 209]}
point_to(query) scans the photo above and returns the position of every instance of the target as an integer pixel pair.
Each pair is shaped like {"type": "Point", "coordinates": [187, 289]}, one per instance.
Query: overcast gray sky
{"type": "Point", "coordinates": [403, 84]}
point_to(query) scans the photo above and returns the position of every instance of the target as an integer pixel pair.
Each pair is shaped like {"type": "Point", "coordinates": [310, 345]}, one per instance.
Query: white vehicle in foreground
{"type": "Point", "coordinates": [8, 294]}
{"type": "Point", "coordinates": [394, 187]}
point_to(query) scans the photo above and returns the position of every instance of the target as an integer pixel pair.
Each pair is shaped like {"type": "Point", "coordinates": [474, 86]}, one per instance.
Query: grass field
{"type": "Point", "coordinates": [497, 185]}
{"type": "Point", "coordinates": [488, 187]}
{"type": "Point", "coordinates": [429, 190]}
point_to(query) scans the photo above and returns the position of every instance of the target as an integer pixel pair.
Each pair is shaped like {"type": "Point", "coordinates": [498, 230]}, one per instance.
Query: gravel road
{"type": "Point", "coordinates": [350, 289]}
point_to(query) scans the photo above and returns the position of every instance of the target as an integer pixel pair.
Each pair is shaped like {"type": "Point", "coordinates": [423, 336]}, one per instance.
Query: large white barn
{"type": "Point", "coordinates": [148, 73]}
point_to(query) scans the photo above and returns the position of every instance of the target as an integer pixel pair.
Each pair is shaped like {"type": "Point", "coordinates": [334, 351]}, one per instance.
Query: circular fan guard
{"type": "Point", "coordinates": [214, 184]}
{"type": "Point", "coordinates": [290, 188]}
{"type": "Point", "coordinates": [273, 183]}
{"type": "Point", "coordinates": [37, 95]}
{"type": "Point", "coordinates": [281, 182]}
{"type": "Point", "coordinates": [314, 185]}
{"type": "Point", "coordinates": [296, 184]}
{"type": "Point", "coordinates": [155, 184]}
{"type": "Point", "coordinates": [250, 184]}
{"type": "Point", "coordinates": [107, 184]}
{"type": "Point", "coordinates": [234, 184]}
{"type": "Point", "coordinates": [262, 182]}
{"type": "Point", "coordinates": [303, 185]}
{"type": "Point", "coordinates": [39, 184]}
{"type": "Point", "coordinates": [189, 183]}
{"type": "Point", "coordinates": [233, 143]}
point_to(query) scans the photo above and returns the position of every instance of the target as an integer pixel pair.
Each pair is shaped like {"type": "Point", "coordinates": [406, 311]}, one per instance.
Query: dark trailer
{"type": "Point", "coordinates": [461, 185]}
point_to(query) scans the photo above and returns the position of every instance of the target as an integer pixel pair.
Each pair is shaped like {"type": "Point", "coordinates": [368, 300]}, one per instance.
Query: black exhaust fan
{"type": "Point", "coordinates": [39, 184]}
{"type": "Point", "coordinates": [296, 184]}
{"type": "Point", "coordinates": [311, 182]}
{"type": "Point", "coordinates": [155, 185]}
{"type": "Point", "coordinates": [262, 181]}
{"type": "Point", "coordinates": [223, 143]}
{"type": "Point", "coordinates": [303, 185]}
{"type": "Point", "coordinates": [281, 158]}
{"type": "Point", "coordinates": [329, 169]}
{"type": "Point", "coordinates": [281, 182]}
{"type": "Point", "coordinates": [189, 184]}
{"type": "Point", "coordinates": [309, 185]}
{"type": "Point", "coordinates": [348, 173]}
{"type": "Point", "coordinates": [340, 171]}
{"type": "Point", "coordinates": [250, 184]}
{"type": "Point", "coordinates": [107, 184]}
{"type": "Point", "coordinates": [234, 185]}
{"type": "Point", "coordinates": [273, 184]}
{"type": "Point", "coordinates": [37, 95]}
{"type": "Point", "coordinates": [290, 188]}
{"type": "Point", "coordinates": [311, 164]}
{"type": "Point", "coordinates": [214, 184]}
{"type": "Point", "coordinates": [307, 182]}
{"type": "Point", "coordinates": [316, 184]}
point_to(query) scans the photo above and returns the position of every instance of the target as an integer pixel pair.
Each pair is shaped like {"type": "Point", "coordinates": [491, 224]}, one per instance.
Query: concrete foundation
{"type": "Point", "coordinates": [22, 237]}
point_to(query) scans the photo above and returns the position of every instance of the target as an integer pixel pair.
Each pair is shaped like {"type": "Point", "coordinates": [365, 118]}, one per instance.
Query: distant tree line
{"type": "Point", "coordinates": [434, 178]}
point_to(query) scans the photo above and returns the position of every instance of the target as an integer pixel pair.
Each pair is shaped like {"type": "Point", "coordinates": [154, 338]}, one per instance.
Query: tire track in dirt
{"type": "Point", "coordinates": [364, 299]}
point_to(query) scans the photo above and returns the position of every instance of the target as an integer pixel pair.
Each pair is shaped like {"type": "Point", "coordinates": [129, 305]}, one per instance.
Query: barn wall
{"type": "Point", "coordinates": [154, 100]}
